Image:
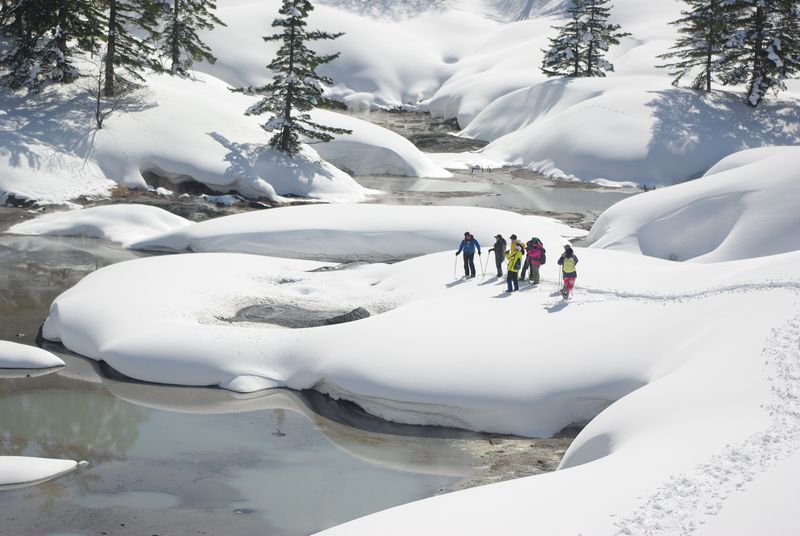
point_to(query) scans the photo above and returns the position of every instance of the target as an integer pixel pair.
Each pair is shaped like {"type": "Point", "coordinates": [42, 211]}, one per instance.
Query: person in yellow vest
{"type": "Point", "coordinates": [514, 258]}
{"type": "Point", "coordinates": [567, 261]}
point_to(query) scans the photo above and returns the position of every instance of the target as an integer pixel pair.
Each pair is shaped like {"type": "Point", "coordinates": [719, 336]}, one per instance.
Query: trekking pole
{"type": "Point", "coordinates": [483, 268]}
{"type": "Point", "coordinates": [455, 267]}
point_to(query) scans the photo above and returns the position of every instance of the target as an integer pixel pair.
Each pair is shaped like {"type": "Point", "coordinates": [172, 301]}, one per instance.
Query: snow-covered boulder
{"type": "Point", "coordinates": [21, 356]}
{"type": "Point", "coordinates": [116, 223]}
{"type": "Point", "coordinates": [20, 471]}
{"type": "Point", "coordinates": [356, 232]}
{"type": "Point", "coordinates": [745, 206]}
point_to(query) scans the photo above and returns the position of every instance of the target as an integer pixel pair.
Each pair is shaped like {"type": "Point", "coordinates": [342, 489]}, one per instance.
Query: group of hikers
{"type": "Point", "coordinates": [525, 258]}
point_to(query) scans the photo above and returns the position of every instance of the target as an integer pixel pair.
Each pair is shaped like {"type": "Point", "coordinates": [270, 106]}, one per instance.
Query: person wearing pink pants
{"type": "Point", "coordinates": [568, 261]}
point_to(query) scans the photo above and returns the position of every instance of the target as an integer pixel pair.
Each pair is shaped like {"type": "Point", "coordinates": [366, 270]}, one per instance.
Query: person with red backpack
{"type": "Point", "coordinates": [535, 257]}
{"type": "Point", "coordinates": [567, 261]}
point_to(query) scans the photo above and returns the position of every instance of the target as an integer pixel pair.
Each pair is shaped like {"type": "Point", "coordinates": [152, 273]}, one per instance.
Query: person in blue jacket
{"type": "Point", "coordinates": [468, 246]}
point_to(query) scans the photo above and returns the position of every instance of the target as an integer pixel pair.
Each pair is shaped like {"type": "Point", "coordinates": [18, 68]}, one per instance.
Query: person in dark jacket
{"type": "Point", "coordinates": [468, 246]}
{"type": "Point", "coordinates": [499, 249]}
{"type": "Point", "coordinates": [567, 261]}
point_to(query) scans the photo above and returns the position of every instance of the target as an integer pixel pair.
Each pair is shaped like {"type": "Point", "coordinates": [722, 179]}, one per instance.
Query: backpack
{"type": "Point", "coordinates": [517, 264]}
{"type": "Point", "coordinates": [542, 257]}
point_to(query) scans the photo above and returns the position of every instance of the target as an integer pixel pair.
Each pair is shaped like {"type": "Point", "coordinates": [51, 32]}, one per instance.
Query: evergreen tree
{"type": "Point", "coordinates": [180, 42]}
{"type": "Point", "coordinates": [296, 87]}
{"type": "Point", "coordinates": [564, 55]}
{"type": "Point", "coordinates": [705, 29]}
{"type": "Point", "coordinates": [764, 50]}
{"type": "Point", "coordinates": [599, 36]}
{"type": "Point", "coordinates": [580, 46]}
{"type": "Point", "coordinates": [125, 52]}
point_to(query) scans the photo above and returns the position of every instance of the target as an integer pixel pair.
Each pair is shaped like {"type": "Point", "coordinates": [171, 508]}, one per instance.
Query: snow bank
{"type": "Point", "coordinates": [635, 129]}
{"type": "Point", "coordinates": [373, 150]}
{"type": "Point", "coordinates": [745, 206]}
{"type": "Point", "coordinates": [20, 471]}
{"type": "Point", "coordinates": [384, 62]}
{"type": "Point", "coordinates": [356, 232]}
{"type": "Point", "coordinates": [178, 334]}
{"type": "Point", "coordinates": [116, 223]}
{"type": "Point", "coordinates": [21, 356]}
{"type": "Point", "coordinates": [162, 131]}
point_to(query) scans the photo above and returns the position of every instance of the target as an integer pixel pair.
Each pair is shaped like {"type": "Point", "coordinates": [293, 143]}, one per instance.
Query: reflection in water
{"type": "Point", "coordinates": [211, 450]}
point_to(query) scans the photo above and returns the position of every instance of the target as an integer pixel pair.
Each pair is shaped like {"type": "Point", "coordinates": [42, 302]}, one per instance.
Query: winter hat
{"type": "Point", "coordinates": [513, 237]}
{"type": "Point", "coordinates": [498, 236]}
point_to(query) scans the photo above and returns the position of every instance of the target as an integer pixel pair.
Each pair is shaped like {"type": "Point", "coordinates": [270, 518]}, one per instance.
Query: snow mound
{"type": "Point", "coordinates": [160, 131]}
{"type": "Point", "coordinates": [20, 471]}
{"type": "Point", "coordinates": [46, 169]}
{"type": "Point", "coordinates": [21, 356]}
{"type": "Point", "coordinates": [356, 232]}
{"type": "Point", "coordinates": [745, 206]}
{"type": "Point", "coordinates": [634, 129]}
{"type": "Point", "coordinates": [116, 223]}
{"type": "Point", "coordinates": [373, 150]}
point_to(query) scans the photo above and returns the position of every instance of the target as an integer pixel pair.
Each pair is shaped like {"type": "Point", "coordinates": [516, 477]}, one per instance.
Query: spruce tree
{"type": "Point", "coordinates": [180, 42]}
{"type": "Point", "coordinates": [296, 87]}
{"type": "Point", "coordinates": [579, 48]}
{"type": "Point", "coordinates": [563, 58]}
{"type": "Point", "coordinates": [126, 54]}
{"type": "Point", "coordinates": [599, 36]}
{"type": "Point", "coordinates": [765, 48]}
{"type": "Point", "coordinates": [705, 28]}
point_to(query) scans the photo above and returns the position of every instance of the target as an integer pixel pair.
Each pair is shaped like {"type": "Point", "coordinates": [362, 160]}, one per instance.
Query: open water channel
{"type": "Point", "coordinates": [167, 460]}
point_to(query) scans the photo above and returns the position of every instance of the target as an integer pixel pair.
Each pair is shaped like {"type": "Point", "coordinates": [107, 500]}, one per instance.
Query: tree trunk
{"type": "Point", "coordinates": [61, 37]}
{"type": "Point", "coordinates": [757, 76]}
{"type": "Point", "coordinates": [287, 111]}
{"type": "Point", "coordinates": [577, 49]}
{"type": "Point", "coordinates": [176, 56]}
{"type": "Point", "coordinates": [111, 49]}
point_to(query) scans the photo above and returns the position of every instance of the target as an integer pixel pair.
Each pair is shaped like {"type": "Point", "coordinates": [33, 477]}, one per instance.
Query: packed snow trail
{"type": "Point", "coordinates": [680, 504]}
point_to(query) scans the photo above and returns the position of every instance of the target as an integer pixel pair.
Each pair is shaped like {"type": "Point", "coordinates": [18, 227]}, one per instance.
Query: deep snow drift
{"type": "Point", "coordinates": [479, 62]}
{"type": "Point", "coordinates": [475, 61]}
{"type": "Point", "coordinates": [356, 232]}
{"type": "Point", "coordinates": [745, 206]}
{"type": "Point", "coordinates": [49, 150]}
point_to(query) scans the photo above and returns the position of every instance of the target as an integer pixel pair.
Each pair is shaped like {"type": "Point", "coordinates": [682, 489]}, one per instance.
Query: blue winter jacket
{"type": "Point", "coordinates": [469, 247]}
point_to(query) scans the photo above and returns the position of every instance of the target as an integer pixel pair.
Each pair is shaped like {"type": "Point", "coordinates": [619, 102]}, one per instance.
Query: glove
{"type": "Point", "coordinates": [456, 253]}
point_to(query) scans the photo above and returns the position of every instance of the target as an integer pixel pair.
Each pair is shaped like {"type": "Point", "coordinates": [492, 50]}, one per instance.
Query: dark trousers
{"type": "Point", "coordinates": [525, 267]}
{"type": "Point", "coordinates": [512, 278]}
{"type": "Point", "coordinates": [469, 264]}
{"type": "Point", "coordinates": [498, 261]}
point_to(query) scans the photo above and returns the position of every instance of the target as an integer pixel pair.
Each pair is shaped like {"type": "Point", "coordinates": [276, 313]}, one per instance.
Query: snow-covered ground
{"type": "Point", "coordinates": [745, 206]}
{"type": "Point", "coordinates": [356, 232]}
{"type": "Point", "coordinates": [477, 61]}
{"type": "Point", "coordinates": [51, 153]}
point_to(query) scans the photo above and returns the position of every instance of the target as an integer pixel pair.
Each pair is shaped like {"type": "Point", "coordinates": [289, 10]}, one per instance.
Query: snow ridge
{"type": "Point", "coordinates": [678, 506]}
